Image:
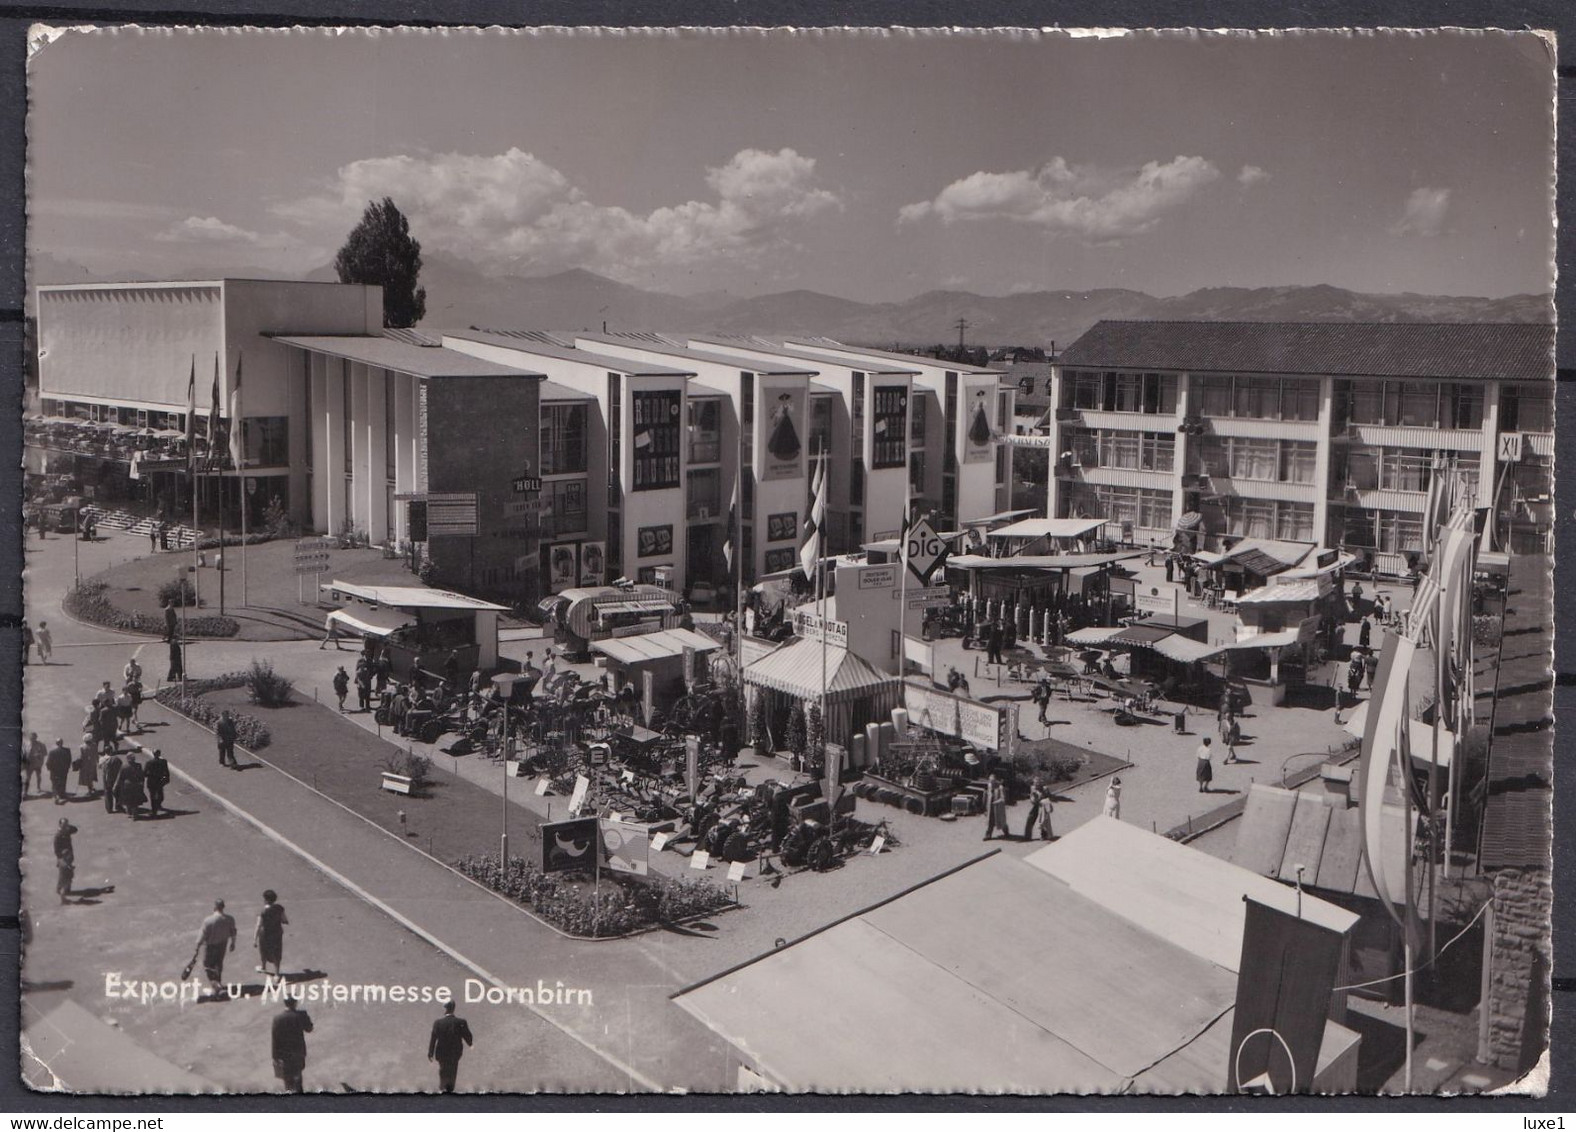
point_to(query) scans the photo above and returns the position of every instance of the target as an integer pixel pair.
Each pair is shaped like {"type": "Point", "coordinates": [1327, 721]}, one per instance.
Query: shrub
{"type": "Point", "coordinates": [266, 687]}
{"type": "Point", "coordinates": [178, 592]}
{"type": "Point", "coordinates": [759, 733]}
{"type": "Point", "coordinates": [623, 905]}
{"type": "Point", "coordinates": [1050, 766]}
{"type": "Point", "coordinates": [214, 542]}
{"type": "Point", "coordinates": [87, 602]}
{"type": "Point", "coordinates": [417, 768]}
{"type": "Point", "coordinates": [796, 730]}
{"type": "Point", "coordinates": [250, 732]}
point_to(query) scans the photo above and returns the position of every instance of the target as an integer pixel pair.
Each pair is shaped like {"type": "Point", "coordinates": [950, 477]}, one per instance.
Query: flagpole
{"type": "Point", "coordinates": [820, 573]}
{"type": "Point", "coordinates": [1403, 749]}
{"type": "Point", "coordinates": [902, 568]}
{"type": "Point", "coordinates": [239, 446]}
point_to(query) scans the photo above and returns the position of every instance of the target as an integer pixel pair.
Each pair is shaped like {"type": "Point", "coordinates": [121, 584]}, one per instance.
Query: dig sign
{"type": "Point", "coordinates": [923, 550]}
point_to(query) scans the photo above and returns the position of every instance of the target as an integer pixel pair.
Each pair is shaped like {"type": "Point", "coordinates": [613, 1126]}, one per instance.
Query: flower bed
{"type": "Point", "coordinates": [87, 602]}
{"type": "Point", "coordinates": [250, 732]}
{"type": "Point", "coordinates": [624, 904]}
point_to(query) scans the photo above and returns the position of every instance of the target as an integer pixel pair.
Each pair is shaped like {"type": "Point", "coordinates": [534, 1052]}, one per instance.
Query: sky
{"type": "Point", "coordinates": [873, 166]}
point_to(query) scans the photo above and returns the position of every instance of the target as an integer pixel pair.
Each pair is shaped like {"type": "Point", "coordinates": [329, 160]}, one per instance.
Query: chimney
{"type": "Point", "coordinates": [1338, 783]}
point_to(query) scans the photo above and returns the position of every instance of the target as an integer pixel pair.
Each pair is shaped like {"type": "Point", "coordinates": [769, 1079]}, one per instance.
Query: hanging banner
{"type": "Point", "coordinates": [942, 712]}
{"type": "Point", "coordinates": [593, 563]}
{"type": "Point", "coordinates": [889, 427]}
{"type": "Point", "coordinates": [975, 420]}
{"type": "Point", "coordinates": [563, 566]}
{"type": "Point", "coordinates": [780, 428]}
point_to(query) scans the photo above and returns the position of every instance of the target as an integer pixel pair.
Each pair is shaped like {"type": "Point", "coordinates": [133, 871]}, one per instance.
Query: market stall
{"type": "Point", "coordinates": [1248, 564]}
{"type": "Point", "coordinates": [419, 628]}
{"type": "Point", "coordinates": [662, 654]}
{"type": "Point", "coordinates": [1271, 662]}
{"type": "Point", "coordinates": [580, 616]}
{"type": "Point", "coordinates": [855, 693]}
{"type": "Point", "coordinates": [1044, 536]}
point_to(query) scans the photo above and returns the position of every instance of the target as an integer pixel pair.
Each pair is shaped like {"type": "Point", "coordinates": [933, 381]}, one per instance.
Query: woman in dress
{"type": "Point", "coordinates": [1205, 771]}
{"type": "Point", "coordinates": [995, 807]}
{"type": "Point", "coordinates": [87, 767]}
{"type": "Point", "coordinates": [1113, 800]}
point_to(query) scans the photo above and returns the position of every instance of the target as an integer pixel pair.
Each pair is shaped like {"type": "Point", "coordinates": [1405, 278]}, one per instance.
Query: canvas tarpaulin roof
{"type": "Point", "coordinates": [369, 622]}
{"type": "Point", "coordinates": [654, 646]}
{"type": "Point", "coordinates": [797, 670]}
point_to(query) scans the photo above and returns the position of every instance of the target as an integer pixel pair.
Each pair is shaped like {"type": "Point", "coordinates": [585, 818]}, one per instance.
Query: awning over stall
{"type": "Point", "coordinates": [1094, 635]}
{"type": "Point", "coordinates": [1040, 561]}
{"type": "Point", "coordinates": [1048, 528]}
{"type": "Point", "coordinates": [661, 645]}
{"type": "Point", "coordinates": [1281, 639]}
{"type": "Point", "coordinates": [1287, 593]}
{"type": "Point", "coordinates": [379, 622]}
{"type": "Point", "coordinates": [797, 669]}
{"type": "Point", "coordinates": [1184, 649]}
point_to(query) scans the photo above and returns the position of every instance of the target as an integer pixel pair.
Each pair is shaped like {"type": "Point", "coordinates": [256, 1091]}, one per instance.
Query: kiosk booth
{"type": "Point", "coordinates": [580, 616]}
{"type": "Point", "coordinates": [418, 628]}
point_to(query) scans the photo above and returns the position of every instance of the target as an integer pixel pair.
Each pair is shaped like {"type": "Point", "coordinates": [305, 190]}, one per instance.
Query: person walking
{"type": "Point", "coordinates": [216, 936]}
{"type": "Point", "coordinates": [269, 936]}
{"type": "Point", "coordinates": [110, 767]}
{"type": "Point", "coordinates": [33, 764]}
{"type": "Point", "coordinates": [58, 763]}
{"type": "Point", "coordinates": [171, 622]}
{"type": "Point", "coordinates": [1113, 800]}
{"type": "Point", "coordinates": [132, 671]}
{"type": "Point", "coordinates": [164, 535]}
{"type": "Point", "coordinates": [27, 641]}
{"type": "Point", "coordinates": [157, 776]}
{"type": "Point", "coordinates": [153, 538]}
{"type": "Point", "coordinates": [1371, 668]}
{"type": "Point", "coordinates": [1205, 771]}
{"type": "Point", "coordinates": [1365, 634]}
{"type": "Point", "coordinates": [133, 796]}
{"type": "Point", "coordinates": [1354, 675]}
{"type": "Point", "coordinates": [1233, 737]}
{"type": "Point", "coordinates": [177, 669]}
{"type": "Point", "coordinates": [364, 686]}
{"type": "Point", "coordinates": [134, 690]}
{"type": "Point", "coordinates": [341, 686]}
{"type": "Point", "coordinates": [87, 768]}
{"type": "Point", "coordinates": [288, 1045]}
{"type": "Point", "coordinates": [107, 725]}
{"type": "Point", "coordinates": [123, 706]}
{"type": "Point", "coordinates": [446, 1045]}
{"type": "Point", "coordinates": [225, 731]}
{"type": "Point", "coordinates": [1039, 813]}
{"type": "Point", "coordinates": [65, 860]}
{"type": "Point", "coordinates": [995, 807]}
{"type": "Point", "coordinates": [1042, 696]}
{"type": "Point", "coordinates": [45, 642]}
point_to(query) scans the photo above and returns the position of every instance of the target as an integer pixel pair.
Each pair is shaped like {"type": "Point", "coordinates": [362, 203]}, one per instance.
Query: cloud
{"type": "Point", "coordinates": [1095, 204]}
{"type": "Point", "coordinates": [1424, 214]}
{"type": "Point", "coordinates": [498, 210]}
{"type": "Point", "coordinates": [212, 230]}
{"type": "Point", "coordinates": [1252, 175]}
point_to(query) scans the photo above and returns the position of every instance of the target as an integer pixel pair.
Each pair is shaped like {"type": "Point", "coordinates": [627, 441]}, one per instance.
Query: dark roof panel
{"type": "Point", "coordinates": [1498, 350]}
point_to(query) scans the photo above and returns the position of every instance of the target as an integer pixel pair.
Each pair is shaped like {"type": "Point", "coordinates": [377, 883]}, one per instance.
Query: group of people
{"type": "Point", "coordinates": [1041, 803]}
{"type": "Point", "coordinates": [39, 638]}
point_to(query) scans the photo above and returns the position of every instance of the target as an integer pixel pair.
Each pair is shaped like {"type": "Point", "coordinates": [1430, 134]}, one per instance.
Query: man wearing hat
{"type": "Point", "coordinates": [291, 1026]}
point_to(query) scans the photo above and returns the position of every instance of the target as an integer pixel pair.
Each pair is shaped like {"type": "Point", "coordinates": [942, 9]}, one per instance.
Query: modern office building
{"type": "Point", "coordinates": [640, 442]}
{"type": "Point", "coordinates": [1318, 432]}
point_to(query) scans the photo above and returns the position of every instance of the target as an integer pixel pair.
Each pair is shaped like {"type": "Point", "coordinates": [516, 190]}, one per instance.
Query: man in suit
{"type": "Point", "coordinates": [291, 1026]}
{"type": "Point", "coordinates": [156, 776]}
{"type": "Point", "coordinates": [450, 1036]}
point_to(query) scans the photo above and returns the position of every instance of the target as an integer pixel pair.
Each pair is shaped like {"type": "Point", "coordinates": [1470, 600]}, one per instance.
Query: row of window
{"type": "Point", "coordinates": [1255, 398]}
{"type": "Point", "coordinates": [1390, 532]}
{"type": "Point", "coordinates": [1254, 458]}
{"type": "Point", "coordinates": [1400, 469]}
{"type": "Point", "coordinates": [1122, 448]}
{"type": "Point", "coordinates": [1416, 404]}
{"type": "Point", "coordinates": [1120, 392]}
{"type": "Point", "coordinates": [1141, 506]}
{"type": "Point", "coordinates": [1259, 518]}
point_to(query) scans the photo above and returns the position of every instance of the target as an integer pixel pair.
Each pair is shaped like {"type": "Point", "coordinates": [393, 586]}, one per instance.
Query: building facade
{"type": "Point", "coordinates": [1320, 432]}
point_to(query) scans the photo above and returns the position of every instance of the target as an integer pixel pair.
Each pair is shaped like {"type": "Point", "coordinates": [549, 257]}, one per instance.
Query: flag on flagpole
{"type": "Point", "coordinates": [191, 413]}
{"type": "Point", "coordinates": [235, 416]}
{"type": "Point", "coordinates": [213, 418]}
{"type": "Point", "coordinates": [810, 552]}
{"type": "Point", "coordinates": [732, 541]}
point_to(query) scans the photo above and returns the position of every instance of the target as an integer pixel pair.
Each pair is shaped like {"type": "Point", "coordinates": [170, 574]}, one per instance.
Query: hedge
{"type": "Point", "coordinates": [623, 905]}
{"type": "Point", "coordinates": [250, 732]}
{"type": "Point", "coordinates": [213, 542]}
{"type": "Point", "coordinates": [87, 602]}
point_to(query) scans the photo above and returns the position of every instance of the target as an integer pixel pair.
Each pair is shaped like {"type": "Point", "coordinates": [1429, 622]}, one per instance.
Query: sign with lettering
{"type": "Point", "coordinates": [1156, 599]}
{"type": "Point", "coordinates": [700, 859]}
{"type": "Point", "coordinates": [877, 577]}
{"type": "Point", "coordinates": [626, 847]}
{"type": "Point", "coordinates": [451, 513]}
{"type": "Point", "coordinates": [526, 485]}
{"type": "Point", "coordinates": [923, 550]}
{"type": "Point", "coordinates": [813, 627]}
{"type": "Point", "coordinates": [1510, 447]}
{"type": "Point", "coordinates": [736, 871]}
{"type": "Point", "coordinates": [947, 714]}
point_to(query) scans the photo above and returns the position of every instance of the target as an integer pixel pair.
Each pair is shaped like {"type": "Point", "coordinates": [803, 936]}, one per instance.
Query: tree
{"type": "Point", "coordinates": [380, 251]}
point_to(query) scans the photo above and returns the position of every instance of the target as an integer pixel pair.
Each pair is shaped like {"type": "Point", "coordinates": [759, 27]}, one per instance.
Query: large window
{"type": "Point", "coordinates": [564, 432]}
{"type": "Point", "coordinates": [1153, 393]}
{"type": "Point", "coordinates": [704, 494]}
{"type": "Point", "coordinates": [705, 430]}
{"type": "Point", "coordinates": [567, 498]}
{"type": "Point", "coordinates": [1143, 507]}
{"type": "Point", "coordinates": [1254, 458]}
{"type": "Point", "coordinates": [1524, 407]}
{"type": "Point", "coordinates": [1268, 518]}
{"type": "Point", "coordinates": [916, 429]}
{"type": "Point", "coordinates": [887, 446]}
{"type": "Point", "coordinates": [654, 433]}
{"type": "Point", "coordinates": [1462, 405]}
{"type": "Point", "coordinates": [1257, 397]}
{"type": "Point", "coordinates": [1120, 448]}
{"type": "Point", "coordinates": [266, 441]}
{"type": "Point", "coordinates": [1418, 404]}
{"type": "Point", "coordinates": [820, 424]}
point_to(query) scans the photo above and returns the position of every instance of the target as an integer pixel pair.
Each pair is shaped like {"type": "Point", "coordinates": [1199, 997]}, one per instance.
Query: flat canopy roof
{"type": "Point", "coordinates": [911, 359]}
{"type": "Point", "coordinates": [404, 357]}
{"type": "Point", "coordinates": [654, 646]}
{"type": "Point", "coordinates": [409, 597]}
{"type": "Point", "coordinates": [670, 349]}
{"type": "Point", "coordinates": [1192, 899]}
{"type": "Point", "coordinates": [533, 345]}
{"type": "Point", "coordinates": [1295, 593]}
{"type": "Point", "coordinates": [939, 972]}
{"type": "Point", "coordinates": [779, 350]}
{"type": "Point", "coordinates": [1053, 528]}
{"type": "Point", "coordinates": [1040, 561]}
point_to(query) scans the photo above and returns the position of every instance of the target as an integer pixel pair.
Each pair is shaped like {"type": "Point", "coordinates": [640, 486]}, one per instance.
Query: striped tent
{"type": "Point", "coordinates": [856, 694]}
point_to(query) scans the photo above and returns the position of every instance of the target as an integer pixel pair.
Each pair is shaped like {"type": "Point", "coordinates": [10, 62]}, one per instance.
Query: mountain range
{"type": "Point", "coordinates": [460, 296]}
